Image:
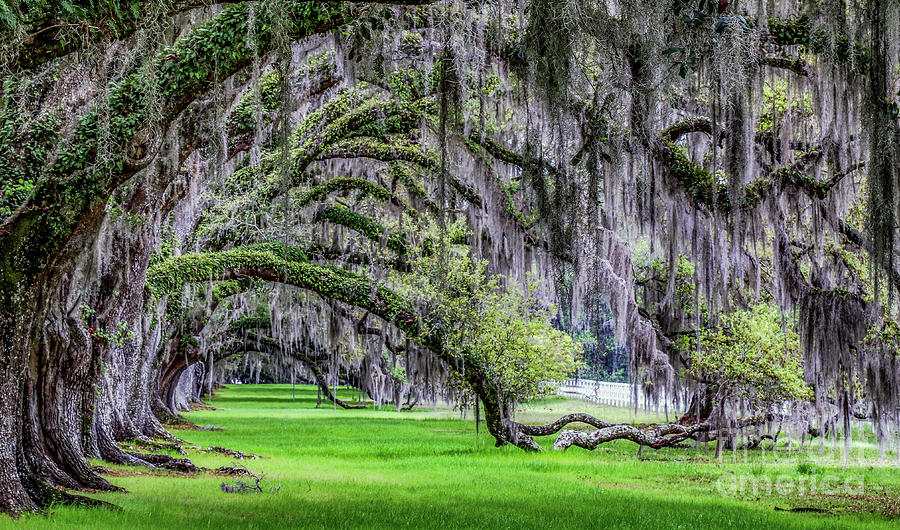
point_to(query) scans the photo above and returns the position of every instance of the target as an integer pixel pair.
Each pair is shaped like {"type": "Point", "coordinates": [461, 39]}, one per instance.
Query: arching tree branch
{"type": "Point", "coordinates": [349, 288]}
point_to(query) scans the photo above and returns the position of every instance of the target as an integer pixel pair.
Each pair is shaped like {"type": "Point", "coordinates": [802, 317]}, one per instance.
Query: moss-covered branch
{"type": "Point", "coordinates": [400, 173]}
{"type": "Point", "coordinates": [709, 190]}
{"type": "Point", "coordinates": [376, 117]}
{"type": "Point", "coordinates": [232, 286]}
{"type": "Point", "coordinates": [398, 151]}
{"type": "Point", "coordinates": [82, 178]}
{"type": "Point", "coordinates": [678, 129]}
{"type": "Point", "coordinates": [475, 141]}
{"type": "Point", "coordinates": [341, 129]}
{"type": "Point", "coordinates": [793, 64]}
{"type": "Point", "coordinates": [363, 225]}
{"type": "Point", "coordinates": [365, 187]}
{"type": "Point", "coordinates": [54, 29]}
{"type": "Point", "coordinates": [337, 284]}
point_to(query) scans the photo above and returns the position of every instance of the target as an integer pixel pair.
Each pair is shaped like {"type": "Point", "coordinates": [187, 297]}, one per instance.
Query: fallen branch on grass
{"type": "Point", "coordinates": [803, 509]}
{"type": "Point", "coordinates": [252, 485]}
{"type": "Point", "coordinates": [651, 435]}
{"type": "Point", "coordinates": [656, 437]}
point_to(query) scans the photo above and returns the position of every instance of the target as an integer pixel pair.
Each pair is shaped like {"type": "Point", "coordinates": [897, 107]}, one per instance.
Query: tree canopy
{"type": "Point", "coordinates": [466, 200]}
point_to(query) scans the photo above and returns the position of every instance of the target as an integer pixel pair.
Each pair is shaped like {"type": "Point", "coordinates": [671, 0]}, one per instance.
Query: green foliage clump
{"type": "Point", "coordinates": [118, 336]}
{"type": "Point", "coordinates": [504, 332]}
{"type": "Point", "coordinates": [684, 281]}
{"type": "Point", "coordinates": [776, 106]}
{"type": "Point", "coordinates": [243, 117]}
{"type": "Point", "coordinates": [753, 354]}
{"type": "Point", "coordinates": [22, 153]}
{"type": "Point", "coordinates": [319, 65]}
{"type": "Point", "coordinates": [514, 340]}
{"type": "Point", "coordinates": [790, 31]}
{"type": "Point", "coordinates": [411, 42]}
{"type": "Point", "coordinates": [800, 31]}
{"type": "Point", "coordinates": [261, 317]}
{"type": "Point", "coordinates": [884, 336]}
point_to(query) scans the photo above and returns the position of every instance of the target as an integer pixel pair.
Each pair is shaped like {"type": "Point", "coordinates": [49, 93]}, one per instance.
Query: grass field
{"type": "Point", "coordinates": [426, 468]}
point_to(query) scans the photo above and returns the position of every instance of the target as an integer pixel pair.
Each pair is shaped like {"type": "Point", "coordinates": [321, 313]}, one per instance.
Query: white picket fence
{"type": "Point", "coordinates": [606, 393]}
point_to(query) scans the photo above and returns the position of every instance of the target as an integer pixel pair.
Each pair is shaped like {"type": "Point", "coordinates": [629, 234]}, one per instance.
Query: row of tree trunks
{"type": "Point", "coordinates": [49, 364]}
{"type": "Point", "coordinates": [54, 358]}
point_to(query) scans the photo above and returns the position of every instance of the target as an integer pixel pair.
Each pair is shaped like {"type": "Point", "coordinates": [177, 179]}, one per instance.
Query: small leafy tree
{"type": "Point", "coordinates": [754, 355]}
{"type": "Point", "coordinates": [504, 330]}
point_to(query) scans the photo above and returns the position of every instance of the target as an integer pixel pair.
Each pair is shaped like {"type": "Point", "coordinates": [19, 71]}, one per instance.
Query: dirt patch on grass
{"type": "Point", "coordinates": [884, 503]}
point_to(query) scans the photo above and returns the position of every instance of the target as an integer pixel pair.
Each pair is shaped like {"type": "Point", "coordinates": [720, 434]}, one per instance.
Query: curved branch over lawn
{"type": "Point", "coordinates": [257, 342]}
{"type": "Point", "coordinates": [347, 287]}
{"type": "Point", "coordinates": [553, 428]}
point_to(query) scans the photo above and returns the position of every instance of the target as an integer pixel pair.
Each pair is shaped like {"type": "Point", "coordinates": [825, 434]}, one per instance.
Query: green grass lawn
{"type": "Point", "coordinates": [427, 468]}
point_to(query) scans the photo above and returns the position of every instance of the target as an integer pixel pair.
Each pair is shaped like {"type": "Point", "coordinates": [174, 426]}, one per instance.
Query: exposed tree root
{"type": "Point", "coordinates": [161, 432]}
{"type": "Point", "coordinates": [188, 426]}
{"type": "Point", "coordinates": [177, 422]}
{"type": "Point", "coordinates": [651, 435]}
{"type": "Point", "coordinates": [112, 453]}
{"type": "Point", "coordinates": [252, 485]}
{"type": "Point", "coordinates": [411, 404]}
{"type": "Point", "coordinates": [754, 441]}
{"type": "Point", "coordinates": [124, 458]}
{"type": "Point", "coordinates": [655, 436]}
{"type": "Point", "coordinates": [234, 471]}
{"type": "Point", "coordinates": [240, 455]}
{"type": "Point", "coordinates": [50, 496]}
{"type": "Point", "coordinates": [69, 499]}
{"type": "Point", "coordinates": [164, 446]}
{"type": "Point", "coordinates": [168, 462]}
